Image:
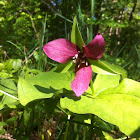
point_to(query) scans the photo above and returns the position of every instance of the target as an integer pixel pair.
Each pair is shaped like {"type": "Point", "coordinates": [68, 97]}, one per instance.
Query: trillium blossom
{"type": "Point", "coordinates": [62, 50]}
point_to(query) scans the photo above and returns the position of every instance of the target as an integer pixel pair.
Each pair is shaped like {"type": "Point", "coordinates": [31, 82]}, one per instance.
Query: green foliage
{"type": "Point", "coordinates": [27, 92]}
{"type": "Point", "coordinates": [101, 68]}
{"type": "Point", "coordinates": [103, 82]}
{"type": "Point", "coordinates": [52, 79]}
{"type": "Point", "coordinates": [111, 106]}
{"type": "Point", "coordinates": [13, 65]}
{"type": "Point", "coordinates": [36, 104]}
{"type": "Point", "coordinates": [76, 37]}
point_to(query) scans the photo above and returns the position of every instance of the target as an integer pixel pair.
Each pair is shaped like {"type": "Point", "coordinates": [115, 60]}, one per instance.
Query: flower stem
{"type": "Point", "coordinates": [92, 14]}
{"type": "Point", "coordinates": [91, 86]}
{"type": "Point", "coordinates": [66, 132]}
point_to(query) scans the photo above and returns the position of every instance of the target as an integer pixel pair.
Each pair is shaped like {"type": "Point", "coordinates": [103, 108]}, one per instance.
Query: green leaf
{"type": "Point", "coordinates": [15, 44]}
{"type": "Point", "coordinates": [50, 105]}
{"type": "Point", "coordinates": [107, 136]}
{"type": "Point", "coordinates": [101, 68]}
{"type": "Point", "coordinates": [12, 120]}
{"type": "Point", "coordinates": [76, 37]}
{"type": "Point", "coordinates": [13, 65]}
{"type": "Point", "coordinates": [43, 85]}
{"type": "Point", "coordinates": [120, 106]}
{"type": "Point", "coordinates": [8, 85]}
{"type": "Point", "coordinates": [1, 66]}
{"type": "Point", "coordinates": [9, 101]}
{"type": "Point", "coordinates": [2, 3]}
{"type": "Point", "coordinates": [103, 82]}
{"type": "Point", "coordinates": [2, 130]}
{"type": "Point", "coordinates": [4, 74]}
{"type": "Point", "coordinates": [52, 79]}
{"type": "Point", "coordinates": [64, 67]}
{"type": "Point", "coordinates": [28, 116]}
{"type": "Point", "coordinates": [27, 92]}
{"type": "Point", "coordinates": [102, 124]}
{"type": "Point", "coordinates": [118, 69]}
{"type": "Point", "coordinates": [3, 123]}
{"type": "Point", "coordinates": [129, 87]}
{"type": "Point", "coordinates": [83, 118]}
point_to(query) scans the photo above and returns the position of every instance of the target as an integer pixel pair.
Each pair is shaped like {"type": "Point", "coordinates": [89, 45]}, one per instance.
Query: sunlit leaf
{"type": "Point", "coordinates": [118, 69]}
{"type": "Point", "coordinates": [120, 106]}
{"type": "Point", "coordinates": [13, 65]}
{"type": "Point", "coordinates": [9, 101]}
{"type": "Point", "coordinates": [52, 79]}
{"type": "Point", "coordinates": [27, 92]}
{"type": "Point", "coordinates": [101, 68]}
{"type": "Point", "coordinates": [76, 37]}
{"type": "Point", "coordinates": [103, 82]}
{"type": "Point", "coordinates": [64, 67]}
{"type": "Point", "coordinates": [107, 136]}
{"type": "Point", "coordinates": [8, 85]}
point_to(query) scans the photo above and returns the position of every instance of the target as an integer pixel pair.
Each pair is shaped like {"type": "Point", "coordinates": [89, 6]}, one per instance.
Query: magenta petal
{"type": "Point", "coordinates": [60, 50]}
{"type": "Point", "coordinates": [95, 48]}
{"type": "Point", "coordinates": [81, 81]}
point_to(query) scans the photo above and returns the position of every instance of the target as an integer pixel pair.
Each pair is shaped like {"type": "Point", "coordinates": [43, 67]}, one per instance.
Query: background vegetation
{"type": "Point", "coordinates": [118, 20]}
{"type": "Point", "coordinates": [26, 25]}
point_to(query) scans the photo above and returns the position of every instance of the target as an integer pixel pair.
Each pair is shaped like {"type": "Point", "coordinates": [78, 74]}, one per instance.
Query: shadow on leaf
{"type": "Point", "coordinates": [45, 90]}
{"type": "Point", "coordinates": [74, 97]}
{"type": "Point", "coordinates": [136, 133]}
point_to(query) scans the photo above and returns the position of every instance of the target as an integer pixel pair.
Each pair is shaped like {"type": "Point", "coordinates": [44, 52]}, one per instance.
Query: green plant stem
{"type": "Point", "coordinates": [84, 133]}
{"type": "Point", "coordinates": [42, 135]}
{"type": "Point", "coordinates": [91, 19]}
{"type": "Point", "coordinates": [40, 64]}
{"type": "Point", "coordinates": [66, 132]}
{"type": "Point", "coordinates": [75, 132]}
{"type": "Point", "coordinates": [15, 121]}
{"type": "Point", "coordinates": [91, 128]}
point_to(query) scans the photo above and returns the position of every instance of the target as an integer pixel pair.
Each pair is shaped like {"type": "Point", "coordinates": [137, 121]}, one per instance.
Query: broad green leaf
{"type": "Point", "coordinates": [2, 130]}
{"type": "Point", "coordinates": [117, 69]}
{"type": "Point", "coordinates": [3, 123]}
{"type": "Point", "coordinates": [129, 87]}
{"type": "Point", "coordinates": [4, 74]}
{"type": "Point", "coordinates": [2, 3]}
{"type": "Point", "coordinates": [12, 120]}
{"type": "Point", "coordinates": [50, 105]}
{"type": "Point", "coordinates": [9, 101]}
{"type": "Point", "coordinates": [36, 55]}
{"type": "Point", "coordinates": [8, 85]}
{"type": "Point", "coordinates": [52, 79]}
{"type": "Point", "coordinates": [1, 66]}
{"type": "Point", "coordinates": [102, 124]}
{"type": "Point", "coordinates": [76, 37]}
{"type": "Point", "coordinates": [27, 92]}
{"type": "Point", "coordinates": [121, 108]}
{"type": "Point", "coordinates": [83, 118]}
{"type": "Point", "coordinates": [101, 68]}
{"type": "Point", "coordinates": [13, 65]}
{"type": "Point", "coordinates": [28, 116]}
{"type": "Point", "coordinates": [64, 67]}
{"type": "Point", "coordinates": [103, 82]}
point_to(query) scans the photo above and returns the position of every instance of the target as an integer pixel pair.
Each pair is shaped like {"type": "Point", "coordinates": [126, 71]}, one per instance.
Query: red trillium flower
{"type": "Point", "coordinates": [62, 50]}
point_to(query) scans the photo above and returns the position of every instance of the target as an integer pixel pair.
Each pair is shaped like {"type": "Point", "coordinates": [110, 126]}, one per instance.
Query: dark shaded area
{"type": "Point", "coordinates": [136, 133]}
{"type": "Point", "coordinates": [45, 90]}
